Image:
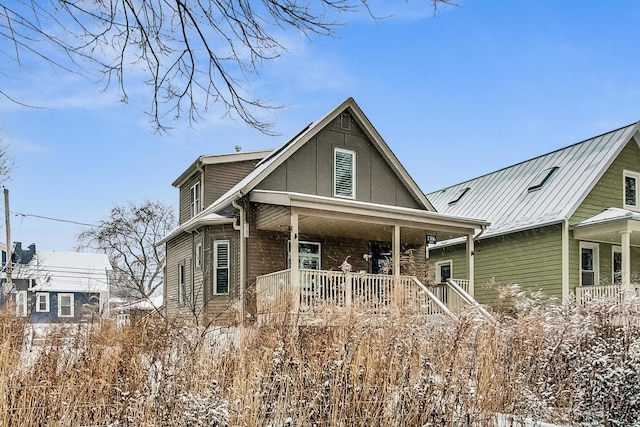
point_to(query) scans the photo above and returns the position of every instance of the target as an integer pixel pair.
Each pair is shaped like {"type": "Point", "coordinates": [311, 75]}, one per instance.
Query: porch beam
{"type": "Point", "coordinates": [295, 263]}
{"type": "Point", "coordinates": [626, 259]}
{"type": "Point", "coordinates": [471, 262]}
{"type": "Point", "coordinates": [395, 250]}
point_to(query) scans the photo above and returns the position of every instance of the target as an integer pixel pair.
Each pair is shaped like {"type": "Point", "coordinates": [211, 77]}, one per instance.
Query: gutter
{"type": "Point", "coordinates": [241, 228]}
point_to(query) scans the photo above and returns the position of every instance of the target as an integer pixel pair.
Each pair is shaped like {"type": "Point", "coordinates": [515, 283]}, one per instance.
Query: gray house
{"type": "Point", "coordinates": [329, 219]}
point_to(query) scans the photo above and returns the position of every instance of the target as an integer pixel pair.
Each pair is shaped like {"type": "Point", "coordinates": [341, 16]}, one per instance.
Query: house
{"type": "Point", "coordinates": [565, 222]}
{"type": "Point", "coordinates": [331, 217]}
{"type": "Point", "coordinates": [58, 287]}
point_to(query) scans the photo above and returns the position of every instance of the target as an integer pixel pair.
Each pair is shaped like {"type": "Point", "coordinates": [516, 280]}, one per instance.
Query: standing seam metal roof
{"type": "Point", "coordinates": [503, 199]}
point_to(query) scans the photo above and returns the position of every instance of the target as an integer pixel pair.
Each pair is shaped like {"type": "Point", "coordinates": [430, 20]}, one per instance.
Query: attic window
{"type": "Point", "coordinates": [345, 121]}
{"type": "Point", "coordinates": [542, 178]}
{"type": "Point", "coordinates": [344, 177]}
{"type": "Point", "coordinates": [460, 195]}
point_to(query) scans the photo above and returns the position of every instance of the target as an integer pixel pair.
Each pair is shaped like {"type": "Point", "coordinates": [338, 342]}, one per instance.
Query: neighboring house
{"type": "Point", "coordinates": [334, 199]}
{"type": "Point", "coordinates": [59, 287]}
{"type": "Point", "coordinates": [130, 312]}
{"type": "Point", "coordinates": [565, 222]}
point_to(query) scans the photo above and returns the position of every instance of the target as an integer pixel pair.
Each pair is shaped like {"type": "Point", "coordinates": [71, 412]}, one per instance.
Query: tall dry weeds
{"type": "Point", "coordinates": [560, 363]}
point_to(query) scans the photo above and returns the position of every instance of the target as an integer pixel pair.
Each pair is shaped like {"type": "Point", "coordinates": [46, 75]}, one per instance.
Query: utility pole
{"type": "Point", "coordinates": [7, 219]}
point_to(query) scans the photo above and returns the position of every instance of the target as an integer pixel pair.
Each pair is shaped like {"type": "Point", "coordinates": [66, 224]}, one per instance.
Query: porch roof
{"type": "Point", "coordinates": [193, 223]}
{"type": "Point", "coordinates": [351, 218]}
{"type": "Point", "coordinates": [607, 226]}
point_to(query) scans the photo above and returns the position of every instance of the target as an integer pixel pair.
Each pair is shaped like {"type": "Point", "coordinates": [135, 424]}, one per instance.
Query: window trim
{"type": "Point", "coordinates": [195, 199]}
{"type": "Point", "coordinates": [182, 290]}
{"type": "Point", "coordinates": [615, 249]}
{"type": "Point", "coordinates": [636, 176]}
{"type": "Point", "coordinates": [595, 247]}
{"type": "Point", "coordinates": [337, 150]}
{"type": "Point", "coordinates": [440, 264]}
{"type": "Point", "coordinates": [72, 305]}
{"type": "Point", "coordinates": [198, 255]}
{"type": "Point", "coordinates": [46, 301]}
{"type": "Point", "coordinates": [216, 245]}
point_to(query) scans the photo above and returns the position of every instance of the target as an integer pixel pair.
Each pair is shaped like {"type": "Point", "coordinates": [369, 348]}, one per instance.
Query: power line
{"type": "Point", "coordinates": [53, 219]}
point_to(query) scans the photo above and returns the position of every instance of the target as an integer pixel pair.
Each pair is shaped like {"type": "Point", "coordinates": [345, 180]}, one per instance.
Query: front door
{"type": "Point", "coordinates": [381, 258]}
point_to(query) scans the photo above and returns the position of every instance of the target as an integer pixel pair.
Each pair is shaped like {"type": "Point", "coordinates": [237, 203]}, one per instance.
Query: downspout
{"type": "Point", "coordinates": [241, 228]}
{"type": "Point", "coordinates": [480, 233]}
{"type": "Point", "coordinates": [565, 260]}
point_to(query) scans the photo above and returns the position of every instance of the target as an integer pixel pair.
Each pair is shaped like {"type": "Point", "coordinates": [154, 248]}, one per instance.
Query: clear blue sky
{"type": "Point", "coordinates": [471, 90]}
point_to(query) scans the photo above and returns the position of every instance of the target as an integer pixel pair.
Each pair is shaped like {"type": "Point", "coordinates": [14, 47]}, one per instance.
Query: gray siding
{"type": "Point", "coordinates": [310, 169]}
{"type": "Point", "coordinates": [178, 252]}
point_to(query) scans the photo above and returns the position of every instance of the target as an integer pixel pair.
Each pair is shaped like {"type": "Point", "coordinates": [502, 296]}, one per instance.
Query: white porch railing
{"type": "Point", "coordinates": [323, 291]}
{"type": "Point", "coordinates": [452, 299]}
{"type": "Point", "coordinates": [585, 294]}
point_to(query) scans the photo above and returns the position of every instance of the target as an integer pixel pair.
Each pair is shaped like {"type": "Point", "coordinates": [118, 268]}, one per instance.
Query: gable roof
{"type": "Point", "coordinates": [281, 154]}
{"type": "Point", "coordinates": [541, 191]}
{"type": "Point", "coordinates": [70, 271]}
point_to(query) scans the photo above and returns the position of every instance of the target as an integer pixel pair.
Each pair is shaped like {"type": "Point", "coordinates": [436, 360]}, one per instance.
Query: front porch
{"type": "Point", "coordinates": [322, 295]}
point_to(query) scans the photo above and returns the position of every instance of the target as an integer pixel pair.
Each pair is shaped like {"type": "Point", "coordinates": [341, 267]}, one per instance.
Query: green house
{"type": "Point", "coordinates": [565, 223]}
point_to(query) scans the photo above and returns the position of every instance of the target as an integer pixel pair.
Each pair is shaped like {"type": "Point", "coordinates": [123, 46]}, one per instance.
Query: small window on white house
{"type": "Point", "coordinates": [221, 267]}
{"type": "Point", "coordinates": [65, 305]}
{"type": "Point", "coordinates": [631, 180]}
{"type": "Point", "coordinates": [198, 255]}
{"type": "Point", "coordinates": [181, 284]}
{"type": "Point", "coordinates": [541, 179]}
{"type": "Point", "coordinates": [344, 177]}
{"type": "Point", "coordinates": [196, 205]}
{"type": "Point", "coordinates": [443, 271]}
{"type": "Point", "coordinates": [42, 302]}
{"type": "Point", "coordinates": [589, 263]}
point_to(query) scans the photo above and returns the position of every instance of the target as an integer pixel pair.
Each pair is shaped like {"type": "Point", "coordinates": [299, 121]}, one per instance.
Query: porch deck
{"type": "Point", "coordinates": [584, 294]}
{"type": "Point", "coordinates": [322, 294]}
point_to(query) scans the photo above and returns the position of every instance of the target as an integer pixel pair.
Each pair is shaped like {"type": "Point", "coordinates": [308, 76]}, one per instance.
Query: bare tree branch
{"type": "Point", "coordinates": [193, 54]}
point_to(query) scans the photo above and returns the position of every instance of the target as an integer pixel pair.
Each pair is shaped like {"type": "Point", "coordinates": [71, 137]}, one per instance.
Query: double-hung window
{"type": "Point", "coordinates": [221, 267]}
{"type": "Point", "coordinates": [196, 204]}
{"type": "Point", "coordinates": [42, 302]}
{"type": "Point", "coordinates": [589, 262]}
{"type": "Point", "coordinates": [65, 305]}
{"type": "Point", "coordinates": [181, 285]}
{"type": "Point", "coordinates": [344, 173]}
{"type": "Point", "coordinates": [631, 180]}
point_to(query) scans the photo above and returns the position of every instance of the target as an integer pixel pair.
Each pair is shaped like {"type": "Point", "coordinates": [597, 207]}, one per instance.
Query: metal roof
{"type": "Point", "coordinates": [541, 191]}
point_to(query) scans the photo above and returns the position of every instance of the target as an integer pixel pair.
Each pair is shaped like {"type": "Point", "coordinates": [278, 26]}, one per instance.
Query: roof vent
{"type": "Point", "coordinates": [460, 195]}
{"type": "Point", "coordinates": [542, 178]}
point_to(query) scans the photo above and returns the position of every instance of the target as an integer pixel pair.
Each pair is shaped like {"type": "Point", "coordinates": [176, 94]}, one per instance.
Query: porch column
{"type": "Point", "coordinates": [626, 260]}
{"type": "Point", "coordinates": [471, 262]}
{"type": "Point", "coordinates": [295, 263]}
{"type": "Point", "coordinates": [395, 250]}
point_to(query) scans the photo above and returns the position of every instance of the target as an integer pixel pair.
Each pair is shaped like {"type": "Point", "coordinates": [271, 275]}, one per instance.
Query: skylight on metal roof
{"type": "Point", "coordinates": [541, 179]}
{"type": "Point", "coordinates": [460, 195]}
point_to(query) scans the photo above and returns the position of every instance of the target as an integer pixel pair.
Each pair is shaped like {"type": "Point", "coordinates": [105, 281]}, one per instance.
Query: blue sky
{"type": "Point", "coordinates": [471, 90]}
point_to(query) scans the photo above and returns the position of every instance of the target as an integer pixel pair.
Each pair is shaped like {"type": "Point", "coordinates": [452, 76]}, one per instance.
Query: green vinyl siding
{"type": "Point", "coordinates": [608, 191]}
{"type": "Point", "coordinates": [604, 264]}
{"type": "Point", "coordinates": [531, 258]}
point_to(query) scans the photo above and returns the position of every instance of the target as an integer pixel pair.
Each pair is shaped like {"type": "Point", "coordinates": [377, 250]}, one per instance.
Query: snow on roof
{"type": "Point", "coordinates": [70, 271]}
{"type": "Point", "coordinates": [541, 191]}
{"type": "Point", "coordinates": [609, 215]}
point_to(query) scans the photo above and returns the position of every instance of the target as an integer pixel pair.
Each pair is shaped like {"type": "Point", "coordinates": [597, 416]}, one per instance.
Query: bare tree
{"type": "Point", "coordinates": [192, 54]}
{"type": "Point", "coordinates": [128, 237]}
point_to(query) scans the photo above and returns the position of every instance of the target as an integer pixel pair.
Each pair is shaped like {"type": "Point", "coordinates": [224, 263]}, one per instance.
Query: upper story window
{"type": "Point", "coordinates": [196, 204]}
{"type": "Point", "coordinates": [631, 180]}
{"type": "Point", "coordinates": [344, 177]}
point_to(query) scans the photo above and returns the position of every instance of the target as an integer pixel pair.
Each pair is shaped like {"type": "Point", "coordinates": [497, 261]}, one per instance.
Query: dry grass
{"type": "Point", "coordinates": [563, 364]}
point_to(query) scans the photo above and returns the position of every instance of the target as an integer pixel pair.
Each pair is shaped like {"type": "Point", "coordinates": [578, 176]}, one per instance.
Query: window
{"type": "Point", "coordinates": [542, 178]}
{"type": "Point", "coordinates": [221, 267]}
{"type": "Point", "coordinates": [344, 166]}
{"type": "Point", "coordinates": [616, 265]}
{"type": "Point", "coordinates": [589, 261]}
{"type": "Point", "coordinates": [181, 287]}
{"type": "Point", "coordinates": [631, 180]}
{"type": "Point", "coordinates": [65, 305]}
{"type": "Point", "coordinates": [308, 255]}
{"type": "Point", "coordinates": [443, 271]}
{"type": "Point", "coordinates": [196, 206]}
{"type": "Point", "coordinates": [198, 255]}
{"type": "Point", "coordinates": [42, 302]}
{"type": "Point", "coordinates": [345, 121]}
{"type": "Point", "coordinates": [21, 303]}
